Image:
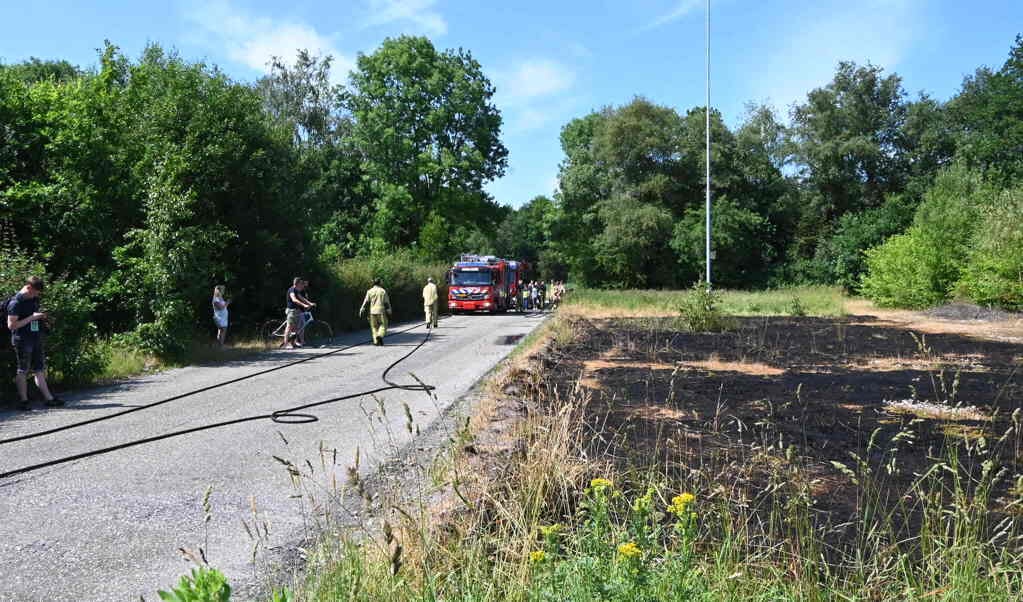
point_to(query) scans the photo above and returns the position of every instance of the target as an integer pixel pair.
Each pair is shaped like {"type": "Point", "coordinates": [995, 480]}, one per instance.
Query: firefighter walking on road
{"type": "Point", "coordinates": [379, 308]}
{"type": "Point", "coordinates": [430, 303]}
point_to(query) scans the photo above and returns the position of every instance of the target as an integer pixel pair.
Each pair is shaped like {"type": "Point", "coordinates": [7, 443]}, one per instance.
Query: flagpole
{"type": "Point", "coordinates": [707, 112]}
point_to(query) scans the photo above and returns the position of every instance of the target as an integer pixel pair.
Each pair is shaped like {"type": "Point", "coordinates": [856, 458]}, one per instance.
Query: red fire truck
{"type": "Point", "coordinates": [484, 283]}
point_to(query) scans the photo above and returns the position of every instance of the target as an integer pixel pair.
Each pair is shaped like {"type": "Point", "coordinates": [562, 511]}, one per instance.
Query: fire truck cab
{"type": "Point", "coordinates": [483, 283]}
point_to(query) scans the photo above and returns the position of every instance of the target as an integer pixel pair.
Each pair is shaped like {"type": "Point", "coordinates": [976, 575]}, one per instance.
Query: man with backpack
{"type": "Point", "coordinates": [25, 322]}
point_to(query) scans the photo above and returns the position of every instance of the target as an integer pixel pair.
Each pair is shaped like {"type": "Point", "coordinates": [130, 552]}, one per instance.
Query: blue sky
{"type": "Point", "coordinates": [554, 60]}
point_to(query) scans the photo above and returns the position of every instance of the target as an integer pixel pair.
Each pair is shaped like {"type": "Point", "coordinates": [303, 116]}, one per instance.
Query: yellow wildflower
{"type": "Point", "coordinates": [601, 484]}
{"type": "Point", "coordinates": [537, 556]}
{"type": "Point", "coordinates": [680, 503]}
{"type": "Point", "coordinates": [629, 550]}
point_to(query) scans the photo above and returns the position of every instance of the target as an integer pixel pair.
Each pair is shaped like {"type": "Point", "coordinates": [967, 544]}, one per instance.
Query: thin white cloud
{"type": "Point", "coordinates": [681, 9]}
{"type": "Point", "coordinates": [532, 79]}
{"type": "Point", "coordinates": [878, 31]}
{"type": "Point", "coordinates": [253, 40]}
{"type": "Point", "coordinates": [420, 15]}
{"type": "Point", "coordinates": [531, 93]}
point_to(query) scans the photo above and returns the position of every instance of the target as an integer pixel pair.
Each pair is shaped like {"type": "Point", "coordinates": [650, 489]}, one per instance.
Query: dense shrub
{"type": "Point", "coordinates": [903, 273]}
{"type": "Point", "coordinates": [922, 266]}
{"type": "Point", "coordinates": [403, 274]}
{"type": "Point", "coordinates": [71, 355]}
{"type": "Point", "coordinates": [840, 259]}
{"type": "Point", "coordinates": [994, 271]}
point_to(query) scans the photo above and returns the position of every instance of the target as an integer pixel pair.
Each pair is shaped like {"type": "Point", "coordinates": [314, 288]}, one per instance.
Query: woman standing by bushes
{"type": "Point", "coordinates": [220, 312]}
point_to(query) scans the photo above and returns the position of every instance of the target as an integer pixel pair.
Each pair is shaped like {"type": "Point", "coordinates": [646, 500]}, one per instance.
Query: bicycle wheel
{"type": "Point", "coordinates": [318, 334]}
{"type": "Point", "coordinates": [271, 333]}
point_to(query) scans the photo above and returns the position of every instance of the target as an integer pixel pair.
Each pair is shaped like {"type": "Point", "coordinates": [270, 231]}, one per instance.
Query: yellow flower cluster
{"type": "Point", "coordinates": [537, 556]}
{"type": "Point", "coordinates": [598, 484]}
{"type": "Point", "coordinates": [629, 550]}
{"type": "Point", "coordinates": [680, 503]}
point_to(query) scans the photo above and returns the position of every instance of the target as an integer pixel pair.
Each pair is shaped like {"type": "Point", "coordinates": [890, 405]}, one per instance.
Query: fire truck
{"type": "Point", "coordinates": [484, 283]}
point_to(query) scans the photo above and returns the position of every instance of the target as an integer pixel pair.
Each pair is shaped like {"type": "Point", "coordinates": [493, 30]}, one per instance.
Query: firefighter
{"type": "Point", "coordinates": [376, 299]}
{"type": "Point", "coordinates": [430, 302]}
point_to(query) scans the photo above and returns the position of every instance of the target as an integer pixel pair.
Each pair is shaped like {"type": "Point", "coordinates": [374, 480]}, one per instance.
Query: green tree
{"type": "Point", "coordinates": [631, 251]}
{"type": "Point", "coordinates": [988, 115]}
{"type": "Point", "coordinates": [525, 233]}
{"type": "Point", "coordinates": [36, 70]}
{"type": "Point", "coordinates": [849, 142]}
{"type": "Point", "coordinates": [740, 242]}
{"type": "Point", "coordinates": [333, 194]}
{"type": "Point", "coordinates": [428, 131]}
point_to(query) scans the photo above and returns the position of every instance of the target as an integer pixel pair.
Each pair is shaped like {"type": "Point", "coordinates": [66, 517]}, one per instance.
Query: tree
{"type": "Point", "coordinates": [988, 115]}
{"type": "Point", "coordinates": [38, 70]}
{"type": "Point", "coordinates": [849, 141]}
{"type": "Point", "coordinates": [525, 233]}
{"type": "Point", "coordinates": [741, 241]}
{"type": "Point", "coordinates": [428, 131]}
{"type": "Point", "coordinates": [632, 248]}
{"type": "Point", "coordinates": [334, 195]}
{"type": "Point", "coordinates": [302, 96]}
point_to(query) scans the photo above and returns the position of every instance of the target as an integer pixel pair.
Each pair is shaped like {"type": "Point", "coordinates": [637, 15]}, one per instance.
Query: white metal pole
{"type": "Point", "coordinates": [708, 146]}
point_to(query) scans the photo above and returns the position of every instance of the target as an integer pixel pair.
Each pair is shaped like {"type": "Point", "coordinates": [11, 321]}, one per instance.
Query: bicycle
{"type": "Point", "coordinates": [317, 332]}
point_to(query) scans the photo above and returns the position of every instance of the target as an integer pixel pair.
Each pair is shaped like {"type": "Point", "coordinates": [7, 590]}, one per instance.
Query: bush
{"type": "Point", "coordinates": [903, 273]}
{"type": "Point", "coordinates": [403, 274]}
{"type": "Point", "coordinates": [700, 310]}
{"type": "Point", "coordinates": [922, 266]}
{"type": "Point", "coordinates": [840, 259]}
{"type": "Point", "coordinates": [71, 356]}
{"type": "Point", "coordinates": [994, 270]}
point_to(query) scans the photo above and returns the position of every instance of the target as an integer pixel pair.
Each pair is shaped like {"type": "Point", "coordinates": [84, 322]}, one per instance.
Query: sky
{"type": "Point", "coordinates": [554, 60]}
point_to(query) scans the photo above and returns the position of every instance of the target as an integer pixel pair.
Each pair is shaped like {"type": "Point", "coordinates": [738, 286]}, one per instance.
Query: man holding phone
{"type": "Point", "coordinates": [25, 322]}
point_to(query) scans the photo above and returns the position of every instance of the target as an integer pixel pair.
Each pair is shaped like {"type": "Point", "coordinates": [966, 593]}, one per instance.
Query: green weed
{"type": "Point", "coordinates": [204, 584]}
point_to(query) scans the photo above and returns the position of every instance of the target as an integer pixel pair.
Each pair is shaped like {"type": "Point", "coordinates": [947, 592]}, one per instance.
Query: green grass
{"type": "Point", "coordinates": [121, 361]}
{"type": "Point", "coordinates": [812, 300]}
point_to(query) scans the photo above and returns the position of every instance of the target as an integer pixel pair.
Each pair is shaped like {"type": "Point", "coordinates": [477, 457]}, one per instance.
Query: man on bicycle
{"type": "Point", "coordinates": [296, 304]}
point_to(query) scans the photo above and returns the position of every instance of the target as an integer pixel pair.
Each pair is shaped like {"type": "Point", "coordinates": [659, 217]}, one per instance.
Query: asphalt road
{"type": "Point", "coordinates": [109, 527]}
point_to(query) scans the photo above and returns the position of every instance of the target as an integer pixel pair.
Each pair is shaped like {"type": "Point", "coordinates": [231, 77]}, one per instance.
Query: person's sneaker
{"type": "Point", "coordinates": [24, 405]}
{"type": "Point", "coordinates": [56, 402]}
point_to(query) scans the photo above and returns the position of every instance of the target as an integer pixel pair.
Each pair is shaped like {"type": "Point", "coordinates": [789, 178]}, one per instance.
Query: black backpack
{"type": "Point", "coordinates": [3, 314]}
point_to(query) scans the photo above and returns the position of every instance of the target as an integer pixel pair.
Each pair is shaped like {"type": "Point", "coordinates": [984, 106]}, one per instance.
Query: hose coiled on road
{"type": "Point", "coordinates": [292, 415]}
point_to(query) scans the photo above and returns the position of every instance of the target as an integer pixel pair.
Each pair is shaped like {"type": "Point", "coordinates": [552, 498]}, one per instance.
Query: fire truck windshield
{"type": "Point", "coordinates": [480, 278]}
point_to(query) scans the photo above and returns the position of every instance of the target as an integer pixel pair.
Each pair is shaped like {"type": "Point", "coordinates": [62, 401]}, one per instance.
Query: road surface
{"type": "Point", "coordinates": [109, 527]}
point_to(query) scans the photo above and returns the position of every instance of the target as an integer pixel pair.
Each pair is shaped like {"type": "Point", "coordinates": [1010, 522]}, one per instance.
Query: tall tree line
{"type": "Point", "coordinates": [145, 181]}
{"type": "Point", "coordinates": [795, 201]}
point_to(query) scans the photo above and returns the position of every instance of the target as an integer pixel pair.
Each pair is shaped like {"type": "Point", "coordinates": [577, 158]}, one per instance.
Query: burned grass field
{"type": "Point", "coordinates": [856, 441]}
{"type": "Point", "coordinates": [855, 457]}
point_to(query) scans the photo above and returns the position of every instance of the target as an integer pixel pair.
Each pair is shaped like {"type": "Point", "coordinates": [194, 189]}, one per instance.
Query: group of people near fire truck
{"type": "Point", "coordinates": [537, 295]}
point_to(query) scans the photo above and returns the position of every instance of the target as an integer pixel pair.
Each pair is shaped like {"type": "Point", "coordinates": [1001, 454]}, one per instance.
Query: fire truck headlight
{"type": "Point", "coordinates": [452, 304]}
{"type": "Point", "coordinates": [486, 304]}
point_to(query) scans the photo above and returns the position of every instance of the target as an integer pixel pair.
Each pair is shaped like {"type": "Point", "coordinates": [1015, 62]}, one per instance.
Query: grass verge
{"type": "Point", "coordinates": [803, 300]}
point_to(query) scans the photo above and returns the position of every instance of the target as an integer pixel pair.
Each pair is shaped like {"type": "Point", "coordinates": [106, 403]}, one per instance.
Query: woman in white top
{"type": "Point", "coordinates": [220, 312]}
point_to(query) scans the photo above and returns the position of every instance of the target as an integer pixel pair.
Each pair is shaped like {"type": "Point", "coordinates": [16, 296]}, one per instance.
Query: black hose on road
{"type": "Point", "coordinates": [290, 415]}
{"type": "Point", "coordinates": [73, 425]}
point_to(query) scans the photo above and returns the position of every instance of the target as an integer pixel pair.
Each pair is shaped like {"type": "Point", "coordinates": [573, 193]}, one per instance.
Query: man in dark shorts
{"type": "Point", "coordinates": [25, 322]}
{"type": "Point", "coordinates": [296, 303]}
